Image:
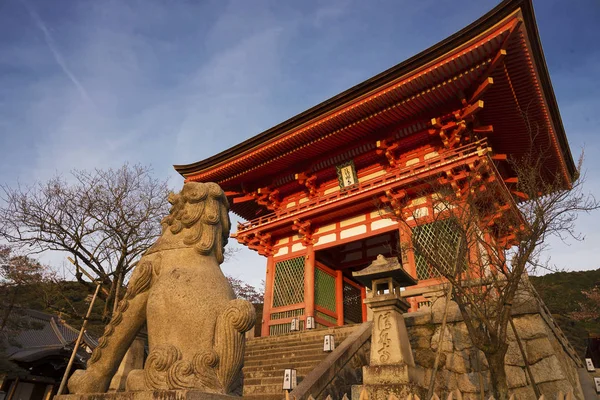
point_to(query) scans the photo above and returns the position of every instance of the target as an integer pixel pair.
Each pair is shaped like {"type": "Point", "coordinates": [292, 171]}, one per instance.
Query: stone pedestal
{"type": "Point", "coordinates": [391, 368]}
{"type": "Point", "coordinates": [149, 395]}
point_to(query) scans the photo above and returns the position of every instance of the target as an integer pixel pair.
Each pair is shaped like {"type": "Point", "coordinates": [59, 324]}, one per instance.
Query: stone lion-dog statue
{"type": "Point", "coordinates": [195, 325]}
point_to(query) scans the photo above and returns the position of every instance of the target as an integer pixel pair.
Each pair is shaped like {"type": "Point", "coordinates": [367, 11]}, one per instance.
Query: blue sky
{"type": "Point", "coordinates": [87, 84]}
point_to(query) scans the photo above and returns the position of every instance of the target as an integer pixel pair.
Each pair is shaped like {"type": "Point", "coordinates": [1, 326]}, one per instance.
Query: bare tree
{"type": "Point", "coordinates": [468, 229]}
{"type": "Point", "coordinates": [106, 219]}
{"type": "Point", "coordinates": [244, 290]}
{"type": "Point", "coordinates": [17, 274]}
{"type": "Point", "coordinates": [589, 310]}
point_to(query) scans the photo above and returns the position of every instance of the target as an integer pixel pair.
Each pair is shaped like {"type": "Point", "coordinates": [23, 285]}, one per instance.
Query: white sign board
{"type": "Point", "coordinates": [328, 343]}
{"type": "Point", "coordinates": [289, 379]}
{"type": "Point", "coordinates": [590, 365]}
{"type": "Point", "coordinates": [295, 325]}
{"type": "Point", "coordinates": [597, 382]}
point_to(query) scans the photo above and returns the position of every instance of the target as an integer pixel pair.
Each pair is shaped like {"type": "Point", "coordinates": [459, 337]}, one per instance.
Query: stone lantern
{"type": "Point", "coordinates": [391, 360]}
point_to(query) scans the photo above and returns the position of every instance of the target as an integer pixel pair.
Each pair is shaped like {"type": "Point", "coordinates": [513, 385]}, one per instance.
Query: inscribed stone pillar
{"type": "Point", "coordinates": [389, 342]}
{"type": "Point", "coordinates": [391, 367]}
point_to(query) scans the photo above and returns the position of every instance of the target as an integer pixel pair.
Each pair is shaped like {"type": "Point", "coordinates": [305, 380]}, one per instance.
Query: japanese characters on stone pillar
{"type": "Point", "coordinates": [391, 365]}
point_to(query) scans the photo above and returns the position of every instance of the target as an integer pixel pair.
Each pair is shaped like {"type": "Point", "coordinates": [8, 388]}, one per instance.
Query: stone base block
{"type": "Point", "coordinates": [149, 395]}
{"type": "Point", "coordinates": [389, 374]}
{"type": "Point", "coordinates": [382, 380]}
{"type": "Point", "coordinates": [378, 392]}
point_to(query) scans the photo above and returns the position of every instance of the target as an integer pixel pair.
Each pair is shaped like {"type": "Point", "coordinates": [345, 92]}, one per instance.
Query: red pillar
{"type": "Point", "coordinates": [408, 255]}
{"type": "Point", "coordinates": [408, 259]}
{"type": "Point", "coordinates": [339, 297]}
{"type": "Point", "coordinates": [268, 299]}
{"type": "Point", "coordinates": [363, 296]}
{"type": "Point", "coordinates": [309, 282]}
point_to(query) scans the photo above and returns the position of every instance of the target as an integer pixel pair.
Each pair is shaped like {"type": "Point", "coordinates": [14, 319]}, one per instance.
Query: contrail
{"type": "Point", "coordinates": [57, 56]}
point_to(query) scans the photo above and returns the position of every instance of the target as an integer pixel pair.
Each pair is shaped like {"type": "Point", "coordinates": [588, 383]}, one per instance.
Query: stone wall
{"type": "Point", "coordinates": [463, 367]}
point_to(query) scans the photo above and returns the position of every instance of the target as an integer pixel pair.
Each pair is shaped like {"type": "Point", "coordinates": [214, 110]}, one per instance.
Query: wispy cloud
{"type": "Point", "coordinates": [55, 52]}
{"type": "Point", "coordinates": [175, 82]}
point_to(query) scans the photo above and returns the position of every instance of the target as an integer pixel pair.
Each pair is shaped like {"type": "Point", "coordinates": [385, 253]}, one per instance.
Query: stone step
{"type": "Point", "coordinates": [298, 337]}
{"type": "Point", "coordinates": [265, 359]}
{"type": "Point", "coordinates": [272, 373]}
{"type": "Point", "coordinates": [265, 365]}
{"type": "Point", "coordinates": [290, 351]}
{"type": "Point", "coordinates": [271, 381]}
{"type": "Point", "coordinates": [293, 339]}
{"type": "Point", "coordinates": [281, 349]}
{"type": "Point", "coordinates": [283, 361]}
{"type": "Point", "coordinates": [316, 342]}
{"type": "Point", "coordinates": [254, 390]}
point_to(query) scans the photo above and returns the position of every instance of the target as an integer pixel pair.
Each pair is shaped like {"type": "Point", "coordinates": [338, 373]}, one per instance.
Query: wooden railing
{"type": "Point", "coordinates": [396, 176]}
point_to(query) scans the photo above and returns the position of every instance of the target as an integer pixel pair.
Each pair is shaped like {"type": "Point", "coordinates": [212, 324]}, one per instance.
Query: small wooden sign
{"type": "Point", "coordinates": [347, 177]}
{"type": "Point", "coordinates": [289, 379]}
{"type": "Point", "coordinates": [295, 325]}
{"type": "Point", "coordinates": [328, 343]}
{"type": "Point", "coordinates": [597, 382]}
{"type": "Point", "coordinates": [590, 365]}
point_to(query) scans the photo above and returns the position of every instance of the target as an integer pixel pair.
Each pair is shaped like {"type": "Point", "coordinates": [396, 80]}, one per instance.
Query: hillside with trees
{"type": "Point", "coordinates": [562, 292]}
{"type": "Point", "coordinates": [564, 295]}
{"type": "Point", "coordinates": [70, 301]}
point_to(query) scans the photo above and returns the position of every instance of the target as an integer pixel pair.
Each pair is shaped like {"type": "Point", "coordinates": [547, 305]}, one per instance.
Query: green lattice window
{"type": "Point", "coordinates": [352, 304]}
{"type": "Point", "coordinates": [288, 285]}
{"type": "Point", "coordinates": [325, 317]}
{"type": "Point", "coordinates": [436, 244]}
{"type": "Point", "coordinates": [287, 314]}
{"type": "Point", "coordinates": [324, 290]}
{"type": "Point", "coordinates": [282, 329]}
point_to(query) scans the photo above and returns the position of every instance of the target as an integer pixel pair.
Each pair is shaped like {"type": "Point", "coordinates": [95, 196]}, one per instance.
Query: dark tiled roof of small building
{"type": "Point", "coordinates": [48, 335]}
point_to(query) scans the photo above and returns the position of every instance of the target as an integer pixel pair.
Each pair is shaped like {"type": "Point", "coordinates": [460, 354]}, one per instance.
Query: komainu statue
{"type": "Point", "coordinates": [195, 325]}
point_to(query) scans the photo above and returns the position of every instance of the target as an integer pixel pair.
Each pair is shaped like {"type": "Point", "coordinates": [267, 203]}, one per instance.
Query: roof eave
{"type": "Point", "coordinates": [546, 86]}
{"type": "Point", "coordinates": [491, 18]}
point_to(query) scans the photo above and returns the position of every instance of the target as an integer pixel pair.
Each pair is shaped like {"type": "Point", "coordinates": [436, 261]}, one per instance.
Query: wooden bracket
{"type": "Point", "coordinates": [501, 210]}
{"type": "Point", "coordinates": [472, 109]}
{"type": "Point", "coordinates": [260, 242]}
{"type": "Point", "coordinates": [395, 201]}
{"type": "Point", "coordinates": [452, 128]}
{"type": "Point", "coordinates": [386, 148]}
{"type": "Point", "coordinates": [521, 195]}
{"type": "Point", "coordinates": [483, 129]}
{"type": "Point", "coordinates": [481, 89]}
{"type": "Point", "coordinates": [508, 241]}
{"type": "Point", "coordinates": [264, 196]}
{"type": "Point", "coordinates": [309, 181]}
{"type": "Point", "coordinates": [304, 231]}
{"type": "Point", "coordinates": [268, 197]}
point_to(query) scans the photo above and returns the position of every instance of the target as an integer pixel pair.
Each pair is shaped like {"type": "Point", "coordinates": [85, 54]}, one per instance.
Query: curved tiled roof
{"type": "Point", "coordinates": [420, 71]}
{"type": "Point", "coordinates": [47, 335]}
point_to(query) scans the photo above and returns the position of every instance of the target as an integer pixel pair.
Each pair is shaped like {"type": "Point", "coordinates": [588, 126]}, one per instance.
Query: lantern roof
{"type": "Point", "coordinates": [383, 267]}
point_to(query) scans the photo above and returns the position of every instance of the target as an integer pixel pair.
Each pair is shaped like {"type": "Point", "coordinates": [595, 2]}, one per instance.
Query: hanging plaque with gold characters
{"type": "Point", "coordinates": [347, 177]}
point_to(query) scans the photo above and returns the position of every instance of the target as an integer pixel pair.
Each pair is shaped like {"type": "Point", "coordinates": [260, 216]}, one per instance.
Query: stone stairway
{"type": "Point", "coordinates": [267, 357]}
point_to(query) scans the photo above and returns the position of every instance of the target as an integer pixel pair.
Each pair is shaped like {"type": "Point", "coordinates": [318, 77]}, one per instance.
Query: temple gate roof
{"type": "Point", "coordinates": [495, 64]}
